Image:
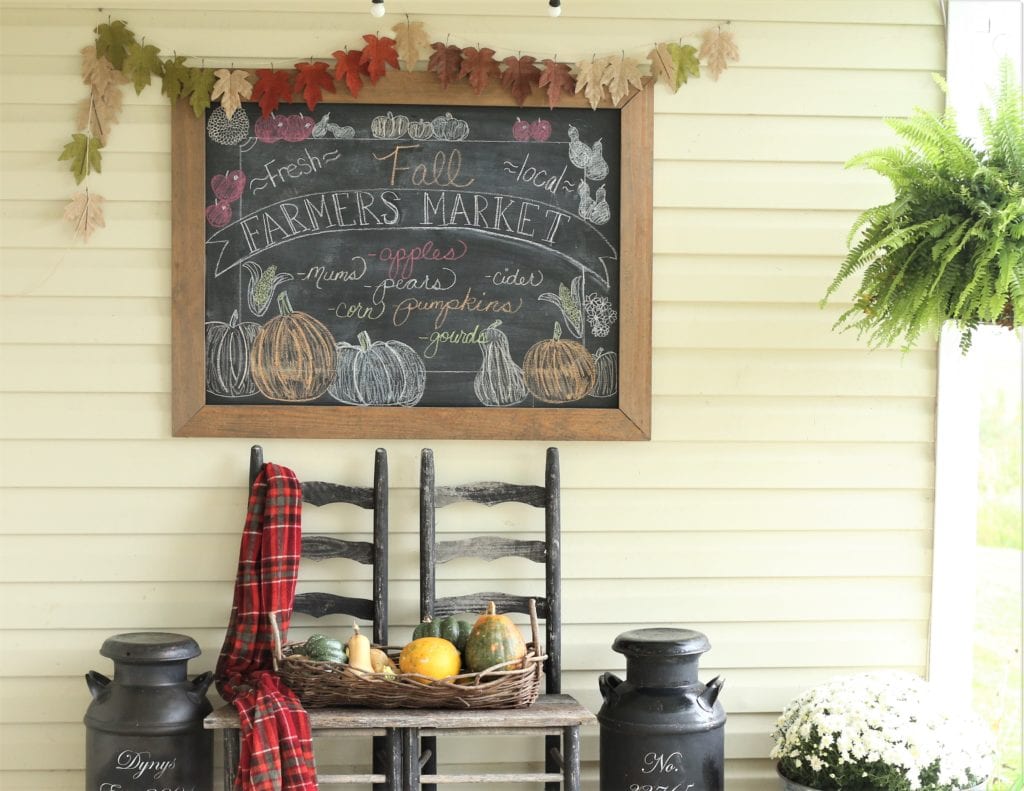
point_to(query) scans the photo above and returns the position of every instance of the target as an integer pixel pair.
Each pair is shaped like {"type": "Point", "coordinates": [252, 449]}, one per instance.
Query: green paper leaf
{"type": "Point", "coordinates": [141, 63]}
{"type": "Point", "coordinates": [175, 78]}
{"type": "Point", "coordinates": [200, 85]}
{"type": "Point", "coordinates": [84, 153]}
{"type": "Point", "coordinates": [686, 61]}
{"type": "Point", "coordinates": [112, 42]}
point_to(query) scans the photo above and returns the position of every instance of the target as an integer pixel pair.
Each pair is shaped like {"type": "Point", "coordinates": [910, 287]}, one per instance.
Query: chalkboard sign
{"type": "Point", "coordinates": [446, 266]}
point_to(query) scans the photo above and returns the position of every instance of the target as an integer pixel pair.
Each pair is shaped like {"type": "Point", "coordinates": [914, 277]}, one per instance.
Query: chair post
{"type": "Point", "coordinates": [553, 572]}
{"type": "Point", "coordinates": [380, 547]}
{"type": "Point", "coordinates": [428, 574]}
{"type": "Point", "coordinates": [255, 464]}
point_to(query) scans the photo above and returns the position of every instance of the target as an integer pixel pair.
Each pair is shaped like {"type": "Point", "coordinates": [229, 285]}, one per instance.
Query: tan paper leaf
{"type": "Point", "coordinates": [231, 88]}
{"type": "Point", "coordinates": [622, 73]}
{"type": "Point", "coordinates": [663, 67]}
{"type": "Point", "coordinates": [717, 48]}
{"type": "Point", "coordinates": [99, 111]}
{"type": "Point", "coordinates": [85, 213]}
{"type": "Point", "coordinates": [591, 79]}
{"type": "Point", "coordinates": [98, 72]}
{"type": "Point", "coordinates": [410, 39]}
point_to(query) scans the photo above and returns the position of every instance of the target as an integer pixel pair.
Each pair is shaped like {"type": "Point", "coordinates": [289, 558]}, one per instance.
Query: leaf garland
{"type": "Point", "coordinates": [377, 55]}
{"type": "Point", "coordinates": [446, 62]}
{"type": "Point", "coordinates": [686, 61]}
{"type": "Point", "coordinates": [592, 77]}
{"type": "Point", "coordinates": [85, 213]}
{"type": "Point", "coordinates": [351, 69]}
{"type": "Point", "coordinates": [141, 62]}
{"type": "Point", "coordinates": [112, 42]}
{"type": "Point", "coordinates": [200, 85]}
{"type": "Point", "coordinates": [622, 72]}
{"type": "Point", "coordinates": [100, 110]}
{"type": "Point", "coordinates": [311, 81]}
{"type": "Point", "coordinates": [520, 76]}
{"type": "Point", "coordinates": [84, 154]}
{"type": "Point", "coordinates": [231, 88]}
{"type": "Point", "coordinates": [410, 39]}
{"type": "Point", "coordinates": [272, 87]}
{"type": "Point", "coordinates": [480, 66]}
{"type": "Point", "coordinates": [558, 79]}
{"type": "Point", "coordinates": [663, 67]}
{"type": "Point", "coordinates": [717, 48]}
{"type": "Point", "coordinates": [174, 83]}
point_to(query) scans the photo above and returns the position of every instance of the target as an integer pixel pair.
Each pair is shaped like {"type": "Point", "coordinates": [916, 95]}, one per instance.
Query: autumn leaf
{"type": "Point", "coordinates": [686, 61]}
{"type": "Point", "coordinates": [446, 62]}
{"type": "Point", "coordinates": [480, 66]}
{"type": "Point", "coordinates": [175, 78]}
{"type": "Point", "coordinates": [84, 153]}
{"type": "Point", "coordinates": [591, 78]}
{"type": "Point", "coordinates": [377, 54]}
{"type": "Point", "coordinates": [99, 73]}
{"type": "Point", "coordinates": [312, 80]}
{"type": "Point", "coordinates": [112, 42]}
{"type": "Point", "coordinates": [622, 73]}
{"type": "Point", "coordinates": [85, 213]}
{"type": "Point", "coordinates": [558, 79]}
{"type": "Point", "coordinates": [140, 64]}
{"type": "Point", "coordinates": [200, 83]}
{"type": "Point", "coordinates": [272, 87]}
{"type": "Point", "coordinates": [520, 76]}
{"type": "Point", "coordinates": [231, 88]}
{"type": "Point", "coordinates": [717, 48]}
{"type": "Point", "coordinates": [350, 68]}
{"type": "Point", "coordinates": [663, 67]}
{"type": "Point", "coordinates": [98, 112]}
{"type": "Point", "coordinates": [409, 40]}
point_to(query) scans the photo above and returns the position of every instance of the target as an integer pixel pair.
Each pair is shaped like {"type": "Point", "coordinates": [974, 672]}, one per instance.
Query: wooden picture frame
{"type": "Point", "coordinates": [192, 415]}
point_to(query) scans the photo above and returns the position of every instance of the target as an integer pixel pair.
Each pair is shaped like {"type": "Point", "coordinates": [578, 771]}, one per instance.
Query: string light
{"type": "Point", "coordinates": [377, 8]}
{"type": "Point", "coordinates": [554, 7]}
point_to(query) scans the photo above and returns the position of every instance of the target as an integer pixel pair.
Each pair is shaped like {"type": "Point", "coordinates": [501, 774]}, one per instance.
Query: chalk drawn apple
{"type": "Point", "coordinates": [219, 214]}
{"type": "Point", "coordinates": [228, 187]}
{"type": "Point", "coordinates": [297, 128]}
{"type": "Point", "coordinates": [521, 130]}
{"type": "Point", "coordinates": [540, 129]}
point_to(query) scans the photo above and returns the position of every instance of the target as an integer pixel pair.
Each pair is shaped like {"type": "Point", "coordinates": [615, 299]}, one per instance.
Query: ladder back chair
{"type": "Point", "coordinates": [559, 716]}
{"type": "Point", "coordinates": [386, 769]}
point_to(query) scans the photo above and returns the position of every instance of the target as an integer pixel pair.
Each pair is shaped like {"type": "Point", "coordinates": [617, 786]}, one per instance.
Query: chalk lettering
{"type": "Point", "coordinates": [305, 165]}
{"type": "Point", "coordinates": [402, 261]}
{"type": "Point", "coordinates": [321, 274]}
{"type": "Point", "coordinates": [517, 278]}
{"type": "Point", "coordinates": [437, 337]}
{"type": "Point", "coordinates": [445, 282]}
{"type": "Point", "coordinates": [469, 303]}
{"type": "Point", "coordinates": [345, 310]}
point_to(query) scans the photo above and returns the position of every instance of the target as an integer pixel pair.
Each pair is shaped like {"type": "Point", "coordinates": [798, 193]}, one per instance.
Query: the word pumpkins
{"type": "Point", "coordinates": [433, 657]}
{"type": "Point", "coordinates": [494, 641]}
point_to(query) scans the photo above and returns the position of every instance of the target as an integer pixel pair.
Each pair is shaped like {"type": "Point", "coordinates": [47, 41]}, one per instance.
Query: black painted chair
{"type": "Point", "coordinates": [386, 750]}
{"type": "Point", "coordinates": [566, 715]}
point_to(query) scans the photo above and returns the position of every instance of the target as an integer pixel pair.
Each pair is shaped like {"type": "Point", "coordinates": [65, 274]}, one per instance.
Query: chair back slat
{"type": "Point", "coordinates": [490, 493]}
{"type": "Point", "coordinates": [490, 548]}
{"type": "Point", "coordinates": [325, 493]}
{"type": "Point", "coordinates": [320, 603]}
{"type": "Point", "coordinates": [317, 547]}
{"type": "Point", "coordinates": [477, 603]}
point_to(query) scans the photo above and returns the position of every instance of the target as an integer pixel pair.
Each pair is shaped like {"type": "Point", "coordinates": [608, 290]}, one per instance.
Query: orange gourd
{"type": "Point", "coordinates": [433, 657]}
{"type": "Point", "coordinates": [494, 639]}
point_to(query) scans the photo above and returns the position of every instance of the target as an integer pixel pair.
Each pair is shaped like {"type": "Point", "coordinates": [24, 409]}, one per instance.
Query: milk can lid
{"type": "Point", "coordinates": [150, 647]}
{"type": "Point", "coordinates": [658, 641]}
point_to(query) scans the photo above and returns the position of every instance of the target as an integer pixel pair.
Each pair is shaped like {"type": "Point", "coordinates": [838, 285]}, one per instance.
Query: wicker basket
{"type": "Point", "coordinates": [320, 684]}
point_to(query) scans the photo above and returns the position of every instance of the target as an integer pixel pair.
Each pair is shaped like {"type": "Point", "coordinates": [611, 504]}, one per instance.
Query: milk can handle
{"type": "Point", "coordinates": [608, 683]}
{"type": "Point", "coordinates": [97, 682]}
{"type": "Point", "coordinates": [200, 684]}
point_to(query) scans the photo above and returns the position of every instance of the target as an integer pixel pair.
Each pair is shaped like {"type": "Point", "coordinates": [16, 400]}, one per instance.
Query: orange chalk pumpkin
{"type": "Point", "coordinates": [293, 356]}
{"type": "Point", "coordinates": [557, 370]}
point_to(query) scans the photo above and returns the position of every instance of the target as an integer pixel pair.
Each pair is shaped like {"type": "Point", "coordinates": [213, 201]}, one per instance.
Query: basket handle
{"type": "Point", "coordinates": [277, 654]}
{"type": "Point", "coordinates": [534, 629]}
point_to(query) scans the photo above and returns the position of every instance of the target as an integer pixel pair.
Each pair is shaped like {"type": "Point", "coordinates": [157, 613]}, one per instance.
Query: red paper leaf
{"type": "Point", "coordinates": [480, 66]}
{"type": "Point", "coordinates": [520, 76]}
{"type": "Point", "coordinates": [558, 78]}
{"type": "Point", "coordinates": [377, 54]}
{"type": "Point", "coordinates": [312, 80]}
{"type": "Point", "coordinates": [350, 68]}
{"type": "Point", "coordinates": [446, 62]}
{"type": "Point", "coordinates": [271, 88]}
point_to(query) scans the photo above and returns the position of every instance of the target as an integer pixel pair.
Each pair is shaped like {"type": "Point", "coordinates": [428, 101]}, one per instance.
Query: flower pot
{"type": "Point", "coordinates": [789, 785]}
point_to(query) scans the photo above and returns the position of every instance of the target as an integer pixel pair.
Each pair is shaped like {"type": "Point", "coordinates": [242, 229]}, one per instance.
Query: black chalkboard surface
{"type": "Point", "coordinates": [393, 255]}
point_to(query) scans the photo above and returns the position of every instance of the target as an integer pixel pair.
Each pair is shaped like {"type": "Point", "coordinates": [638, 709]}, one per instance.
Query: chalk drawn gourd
{"type": "Point", "coordinates": [499, 382]}
{"type": "Point", "coordinates": [227, 357]}
{"type": "Point", "coordinates": [559, 370]}
{"type": "Point", "coordinates": [389, 126]}
{"type": "Point", "coordinates": [293, 355]}
{"type": "Point", "coordinates": [448, 128]}
{"type": "Point", "coordinates": [495, 639]}
{"type": "Point", "coordinates": [378, 373]}
{"type": "Point", "coordinates": [606, 374]}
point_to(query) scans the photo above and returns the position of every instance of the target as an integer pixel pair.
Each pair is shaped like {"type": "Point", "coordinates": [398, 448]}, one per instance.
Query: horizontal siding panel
{"type": "Point", "coordinates": [85, 271]}
{"type": "Point", "coordinates": [76, 511]}
{"type": "Point", "coordinates": [73, 368]}
{"type": "Point", "coordinates": [654, 465]}
{"type": "Point", "coordinates": [676, 418]}
{"type": "Point", "coordinates": [129, 606]}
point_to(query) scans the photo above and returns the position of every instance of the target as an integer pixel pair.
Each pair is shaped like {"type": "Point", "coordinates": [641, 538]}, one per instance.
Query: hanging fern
{"type": "Point", "coordinates": [950, 245]}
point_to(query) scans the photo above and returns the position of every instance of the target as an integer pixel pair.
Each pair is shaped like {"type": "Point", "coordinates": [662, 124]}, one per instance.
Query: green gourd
{"type": "Point", "coordinates": [452, 629]}
{"type": "Point", "coordinates": [324, 649]}
{"type": "Point", "coordinates": [494, 640]}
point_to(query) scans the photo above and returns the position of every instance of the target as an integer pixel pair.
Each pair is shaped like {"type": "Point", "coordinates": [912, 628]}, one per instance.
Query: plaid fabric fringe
{"type": "Point", "coordinates": [277, 749]}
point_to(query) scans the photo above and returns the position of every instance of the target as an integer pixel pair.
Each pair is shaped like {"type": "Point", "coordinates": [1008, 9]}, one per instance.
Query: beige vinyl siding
{"type": "Point", "coordinates": [783, 506]}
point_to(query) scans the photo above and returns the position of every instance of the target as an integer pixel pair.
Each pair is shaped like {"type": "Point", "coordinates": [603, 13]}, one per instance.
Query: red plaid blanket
{"type": "Point", "coordinates": [277, 751]}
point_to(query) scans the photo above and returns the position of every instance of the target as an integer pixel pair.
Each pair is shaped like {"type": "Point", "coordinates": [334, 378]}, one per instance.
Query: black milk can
{"type": "Point", "coordinates": [661, 729]}
{"type": "Point", "coordinates": [144, 729]}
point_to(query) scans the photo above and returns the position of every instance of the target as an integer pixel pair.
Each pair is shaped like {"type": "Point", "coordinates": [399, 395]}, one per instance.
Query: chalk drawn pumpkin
{"type": "Point", "coordinates": [227, 357]}
{"type": "Point", "coordinates": [557, 370]}
{"type": "Point", "coordinates": [389, 126]}
{"type": "Point", "coordinates": [269, 128]}
{"type": "Point", "coordinates": [293, 355]}
{"type": "Point", "coordinates": [297, 128]}
{"type": "Point", "coordinates": [448, 128]}
{"type": "Point", "coordinates": [606, 374]}
{"type": "Point", "coordinates": [378, 373]}
{"type": "Point", "coordinates": [499, 382]}
{"type": "Point", "coordinates": [421, 129]}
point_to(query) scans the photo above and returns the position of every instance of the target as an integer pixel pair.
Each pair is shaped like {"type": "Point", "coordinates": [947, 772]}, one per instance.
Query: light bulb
{"type": "Point", "coordinates": [377, 8]}
{"type": "Point", "coordinates": [554, 7]}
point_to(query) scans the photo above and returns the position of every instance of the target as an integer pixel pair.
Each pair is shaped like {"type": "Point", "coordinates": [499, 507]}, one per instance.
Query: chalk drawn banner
{"type": "Point", "coordinates": [420, 263]}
